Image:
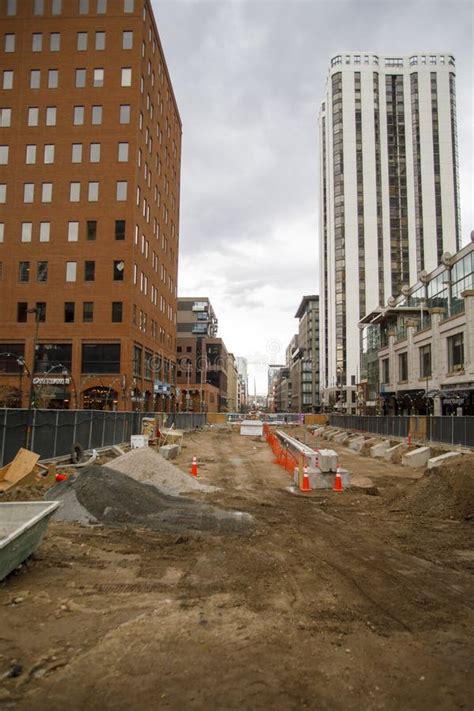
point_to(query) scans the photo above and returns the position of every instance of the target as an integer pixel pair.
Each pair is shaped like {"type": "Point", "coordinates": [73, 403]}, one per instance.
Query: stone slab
{"type": "Point", "coordinates": [393, 452]}
{"type": "Point", "coordinates": [378, 450]}
{"type": "Point", "coordinates": [417, 457]}
{"type": "Point", "coordinates": [442, 459]}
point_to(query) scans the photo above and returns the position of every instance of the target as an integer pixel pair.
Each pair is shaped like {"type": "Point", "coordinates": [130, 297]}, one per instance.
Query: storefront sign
{"type": "Point", "coordinates": [51, 381]}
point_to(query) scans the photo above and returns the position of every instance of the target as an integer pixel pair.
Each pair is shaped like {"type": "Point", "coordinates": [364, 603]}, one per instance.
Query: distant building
{"type": "Point", "coordinates": [243, 384]}
{"type": "Point", "coordinates": [306, 358]}
{"type": "Point", "coordinates": [418, 350]}
{"type": "Point", "coordinates": [389, 193]}
{"type": "Point", "coordinates": [202, 358]}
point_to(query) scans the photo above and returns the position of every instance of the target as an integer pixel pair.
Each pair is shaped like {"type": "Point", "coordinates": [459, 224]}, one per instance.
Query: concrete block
{"type": "Point", "coordinates": [417, 457]}
{"type": "Point", "coordinates": [251, 428]}
{"type": "Point", "coordinates": [327, 459]}
{"type": "Point", "coordinates": [394, 454]}
{"type": "Point", "coordinates": [357, 443]}
{"type": "Point", "coordinates": [341, 436]}
{"type": "Point", "coordinates": [319, 431]}
{"type": "Point", "coordinates": [324, 480]}
{"type": "Point", "coordinates": [169, 451]}
{"type": "Point", "coordinates": [378, 450]}
{"type": "Point", "coordinates": [365, 449]}
{"type": "Point", "coordinates": [442, 459]}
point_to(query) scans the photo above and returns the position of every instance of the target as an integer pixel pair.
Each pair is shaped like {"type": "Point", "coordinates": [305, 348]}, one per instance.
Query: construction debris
{"type": "Point", "coordinates": [19, 469]}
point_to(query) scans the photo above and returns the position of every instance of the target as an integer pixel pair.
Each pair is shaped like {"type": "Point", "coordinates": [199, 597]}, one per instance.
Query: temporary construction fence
{"type": "Point", "coordinates": [446, 430]}
{"type": "Point", "coordinates": [54, 432]}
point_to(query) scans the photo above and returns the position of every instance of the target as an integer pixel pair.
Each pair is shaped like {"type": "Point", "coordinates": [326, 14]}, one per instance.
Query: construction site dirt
{"type": "Point", "coordinates": [361, 599]}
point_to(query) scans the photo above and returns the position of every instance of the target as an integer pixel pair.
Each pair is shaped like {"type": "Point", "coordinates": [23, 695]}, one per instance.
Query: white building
{"type": "Point", "coordinates": [389, 193]}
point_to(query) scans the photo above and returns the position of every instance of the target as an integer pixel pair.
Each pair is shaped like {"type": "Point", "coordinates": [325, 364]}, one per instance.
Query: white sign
{"type": "Point", "coordinates": [51, 381]}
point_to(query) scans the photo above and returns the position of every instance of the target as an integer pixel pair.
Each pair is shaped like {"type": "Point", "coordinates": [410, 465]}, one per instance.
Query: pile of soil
{"type": "Point", "coordinates": [444, 492]}
{"type": "Point", "coordinates": [100, 494]}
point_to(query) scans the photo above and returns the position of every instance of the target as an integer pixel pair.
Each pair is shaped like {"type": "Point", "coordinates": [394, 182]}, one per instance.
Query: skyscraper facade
{"type": "Point", "coordinates": [389, 196]}
{"type": "Point", "coordinates": [90, 152]}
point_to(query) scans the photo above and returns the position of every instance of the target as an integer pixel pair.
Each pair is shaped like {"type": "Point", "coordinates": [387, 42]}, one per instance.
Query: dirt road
{"type": "Point", "coordinates": [329, 601]}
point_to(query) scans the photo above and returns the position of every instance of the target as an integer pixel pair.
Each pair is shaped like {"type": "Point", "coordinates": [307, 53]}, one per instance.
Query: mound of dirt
{"type": "Point", "coordinates": [100, 494]}
{"type": "Point", "coordinates": [444, 492]}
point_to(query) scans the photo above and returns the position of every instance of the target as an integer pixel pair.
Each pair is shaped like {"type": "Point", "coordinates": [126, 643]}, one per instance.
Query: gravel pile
{"type": "Point", "coordinates": [99, 494]}
{"type": "Point", "coordinates": [148, 466]}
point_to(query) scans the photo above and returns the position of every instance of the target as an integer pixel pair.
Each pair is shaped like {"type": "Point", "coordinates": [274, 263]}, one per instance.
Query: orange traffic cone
{"type": "Point", "coordinates": [305, 485]}
{"type": "Point", "coordinates": [338, 480]}
{"type": "Point", "coordinates": [194, 467]}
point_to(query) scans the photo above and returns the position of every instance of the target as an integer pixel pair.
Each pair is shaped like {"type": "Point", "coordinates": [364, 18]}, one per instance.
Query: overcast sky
{"type": "Point", "coordinates": [249, 77]}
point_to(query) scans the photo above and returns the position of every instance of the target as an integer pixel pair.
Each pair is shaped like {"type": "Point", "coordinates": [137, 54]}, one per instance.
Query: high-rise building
{"type": "Point", "coordinates": [389, 197]}
{"type": "Point", "coordinates": [90, 153]}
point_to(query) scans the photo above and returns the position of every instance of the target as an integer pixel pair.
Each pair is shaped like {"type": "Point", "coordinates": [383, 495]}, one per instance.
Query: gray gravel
{"type": "Point", "coordinates": [148, 466]}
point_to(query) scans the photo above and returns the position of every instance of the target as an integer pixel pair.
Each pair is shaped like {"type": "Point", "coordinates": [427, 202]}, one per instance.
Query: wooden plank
{"type": "Point", "coordinates": [23, 464]}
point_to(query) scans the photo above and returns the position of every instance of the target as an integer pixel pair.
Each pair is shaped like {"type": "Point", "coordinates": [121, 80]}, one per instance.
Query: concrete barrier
{"type": "Point", "coordinates": [394, 454]}
{"type": "Point", "coordinates": [324, 480]}
{"type": "Point", "coordinates": [169, 451]}
{"type": "Point", "coordinates": [378, 450]}
{"type": "Point", "coordinates": [341, 437]}
{"type": "Point", "coordinates": [417, 457]}
{"type": "Point", "coordinates": [327, 459]}
{"type": "Point", "coordinates": [357, 443]}
{"type": "Point", "coordinates": [442, 459]}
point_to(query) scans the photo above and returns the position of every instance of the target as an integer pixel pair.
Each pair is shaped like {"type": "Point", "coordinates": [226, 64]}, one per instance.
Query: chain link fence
{"type": "Point", "coordinates": [445, 430]}
{"type": "Point", "coordinates": [54, 432]}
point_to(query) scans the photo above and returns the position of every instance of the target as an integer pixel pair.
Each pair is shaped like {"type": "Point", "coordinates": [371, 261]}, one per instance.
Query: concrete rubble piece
{"type": "Point", "coordinates": [417, 457]}
{"type": "Point", "coordinates": [169, 451]}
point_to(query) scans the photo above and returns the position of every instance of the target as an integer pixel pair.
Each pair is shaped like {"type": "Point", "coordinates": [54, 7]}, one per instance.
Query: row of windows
{"type": "Point", "coordinates": [455, 352]}
{"type": "Point", "coordinates": [52, 80]}
{"type": "Point", "coordinates": [69, 311]}
{"type": "Point", "coordinates": [121, 189]}
{"type": "Point", "coordinates": [391, 61]}
{"type": "Point", "coordinates": [77, 150]}
{"type": "Point", "coordinates": [89, 273]}
{"type": "Point", "coordinates": [54, 41]}
{"type": "Point", "coordinates": [50, 115]}
{"type": "Point", "coordinates": [40, 7]}
{"type": "Point", "coordinates": [90, 231]}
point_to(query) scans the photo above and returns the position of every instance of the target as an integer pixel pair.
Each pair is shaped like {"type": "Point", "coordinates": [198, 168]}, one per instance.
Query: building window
{"type": "Point", "coordinates": [24, 272]}
{"type": "Point", "coordinates": [425, 361]}
{"type": "Point", "coordinates": [26, 231]}
{"type": "Point", "coordinates": [38, 7]}
{"type": "Point", "coordinates": [76, 156]}
{"type": "Point", "coordinates": [4, 155]}
{"type": "Point", "coordinates": [100, 358]}
{"type": "Point", "coordinates": [8, 79]}
{"type": "Point", "coordinates": [3, 193]}
{"type": "Point", "coordinates": [94, 153]}
{"type": "Point", "coordinates": [126, 78]}
{"type": "Point", "coordinates": [96, 115]}
{"type": "Point", "coordinates": [83, 7]}
{"type": "Point", "coordinates": [123, 152]}
{"type": "Point", "coordinates": [88, 311]}
{"type": "Point", "coordinates": [69, 312]}
{"type": "Point", "coordinates": [91, 230]}
{"type": "Point", "coordinates": [121, 190]}
{"type": "Point", "coordinates": [93, 192]}
{"type": "Point", "coordinates": [117, 312]}
{"type": "Point", "coordinates": [98, 78]}
{"type": "Point", "coordinates": [385, 374]}
{"type": "Point", "coordinates": [137, 361]}
{"type": "Point", "coordinates": [89, 271]}
{"type": "Point", "coordinates": [78, 116]}
{"type": "Point", "coordinates": [53, 78]}
{"type": "Point", "coordinates": [127, 39]}
{"type": "Point", "coordinates": [71, 271]}
{"type": "Point", "coordinates": [101, 7]}
{"type": "Point", "coordinates": [100, 41]}
{"type": "Point", "coordinates": [80, 78]}
{"type": "Point", "coordinates": [22, 311]}
{"type": "Point", "coordinates": [6, 117]}
{"type": "Point", "coordinates": [42, 271]}
{"type": "Point", "coordinates": [54, 42]}
{"type": "Point", "coordinates": [44, 231]}
{"type": "Point", "coordinates": [36, 42]}
{"type": "Point", "coordinates": [51, 116]}
{"type": "Point", "coordinates": [82, 41]}
{"type": "Point", "coordinates": [74, 192]}
{"type": "Point", "coordinates": [46, 192]}
{"type": "Point", "coordinates": [119, 270]}
{"type": "Point", "coordinates": [128, 5]}
{"type": "Point", "coordinates": [73, 232]}
{"type": "Point", "coordinates": [124, 113]}
{"type": "Point", "coordinates": [119, 229]}
{"type": "Point", "coordinates": [2, 232]}
{"type": "Point", "coordinates": [28, 192]}
{"type": "Point", "coordinates": [56, 7]}
{"type": "Point", "coordinates": [9, 45]}
{"type": "Point", "coordinates": [403, 367]}
{"type": "Point", "coordinates": [35, 79]}
{"type": "Point", "coordinates": [456, 353]}
{"type": "Point", "coordinates": [41, 311]}
{"type": "Point", "coordinates": [48, 153]}
{"type": "Point", "coordinates": [33, 115]}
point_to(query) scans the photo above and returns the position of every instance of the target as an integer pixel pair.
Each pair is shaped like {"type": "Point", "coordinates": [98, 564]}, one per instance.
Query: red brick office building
{"type": "Point", "coordinates": [90, 153]}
